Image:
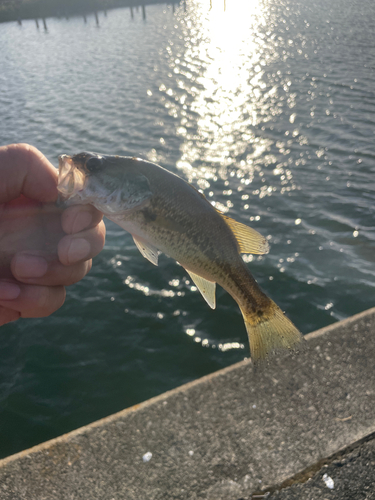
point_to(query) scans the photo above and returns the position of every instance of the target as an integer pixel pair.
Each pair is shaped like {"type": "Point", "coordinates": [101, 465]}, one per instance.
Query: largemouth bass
{"type": "Point", "coordinates": [164, 213]}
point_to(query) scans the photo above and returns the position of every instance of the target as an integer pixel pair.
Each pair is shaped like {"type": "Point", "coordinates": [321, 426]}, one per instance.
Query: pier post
{"type": "Point", "coordinates": [84, 18]}
{"type": "Point", "coordinates": [143, 11]}
{"type": "Point", "coordinates": [44, 24]}
{"type": "Point", "coordinates": [131, 12]}
{"type": "Point", "coordinates": [37, 24]}
{"type": "Point", "coordinates": [96, 18]}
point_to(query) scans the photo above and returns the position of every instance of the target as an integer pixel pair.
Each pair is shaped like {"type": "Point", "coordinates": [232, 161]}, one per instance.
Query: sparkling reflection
{"type": "Point", "coordinates": [229, 73]}
{"type": "Point", "coordinates": [221, 100]}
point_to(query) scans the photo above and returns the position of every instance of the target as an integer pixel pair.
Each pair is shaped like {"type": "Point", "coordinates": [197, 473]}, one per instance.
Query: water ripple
{"type": "Point", "coordinates": [267, 108]}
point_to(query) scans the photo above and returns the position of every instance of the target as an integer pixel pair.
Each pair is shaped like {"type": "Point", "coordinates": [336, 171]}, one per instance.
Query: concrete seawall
{"type": "Point", "coordinates": [228, 436]}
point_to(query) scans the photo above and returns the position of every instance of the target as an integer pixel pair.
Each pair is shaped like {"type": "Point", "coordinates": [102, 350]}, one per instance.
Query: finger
{"type": "Point", "coordinates": [25, 170]}
{"type": "Point", "coordinates": [35, 269]}
{"type": "Point", "coordinates": [79, 217]}
{"type": "Point", "coordinates": [81, 246]}
{"type": "Point", "coordinates": [36, 301]}
{"type": "Point", "coordinates": [46, 273]}
{"type": "Point", "coordinates": [8, 315]}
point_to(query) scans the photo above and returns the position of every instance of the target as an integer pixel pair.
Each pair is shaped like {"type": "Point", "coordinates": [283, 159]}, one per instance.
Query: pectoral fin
{"type": "Point", "coordinates": [249, 240]}
{"type": "Point", "coordinates": [148, 251]}
{"type": "Point", "coordinates": [207, 288]}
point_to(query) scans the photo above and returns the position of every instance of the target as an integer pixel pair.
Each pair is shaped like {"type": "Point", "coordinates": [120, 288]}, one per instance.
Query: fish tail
{"type": "Point", "coordinates": [270, 331]}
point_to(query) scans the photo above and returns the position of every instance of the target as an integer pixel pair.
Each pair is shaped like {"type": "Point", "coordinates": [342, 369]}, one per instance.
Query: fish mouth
{"type": "Point", "coordinates": [71, 179]}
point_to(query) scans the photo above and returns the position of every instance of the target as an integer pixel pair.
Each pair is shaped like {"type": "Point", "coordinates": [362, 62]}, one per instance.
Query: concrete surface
{"type": "Point", "coordinates": [350, 476]}
{"type": "Point", "coordinates": [227, 436]}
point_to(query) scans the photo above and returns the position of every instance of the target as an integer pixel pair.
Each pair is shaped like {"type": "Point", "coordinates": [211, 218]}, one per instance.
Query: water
{"type": "Point", "coordinates": [268, 108]}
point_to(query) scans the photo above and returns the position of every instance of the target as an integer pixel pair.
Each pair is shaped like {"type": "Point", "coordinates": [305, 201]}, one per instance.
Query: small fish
{"type": "Point", "coordinates": [164, 213]}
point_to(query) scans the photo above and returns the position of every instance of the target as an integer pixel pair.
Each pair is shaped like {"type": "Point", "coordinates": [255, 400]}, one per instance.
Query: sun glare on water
{"type": "Point", "coordinates": [225, 53]}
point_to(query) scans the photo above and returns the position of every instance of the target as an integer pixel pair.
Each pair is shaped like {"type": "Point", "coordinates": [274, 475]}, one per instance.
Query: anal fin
{"type": "Point", "coordinates": [148, 251]}
{"type": "Point", "coordinates": [207, 288]}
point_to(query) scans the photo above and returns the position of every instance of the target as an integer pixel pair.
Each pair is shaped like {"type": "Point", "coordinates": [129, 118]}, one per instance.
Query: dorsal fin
{"type": "Point", "coordinates": [148, 251]}
{"type": "Point", "coordinates": [249, 240]}
{"type": "Point", "coordinates": [207, 288]}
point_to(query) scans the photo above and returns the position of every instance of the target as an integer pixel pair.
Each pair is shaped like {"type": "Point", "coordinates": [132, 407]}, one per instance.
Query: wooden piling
{"type": "Point", "coordinates": [19, 21]}
{"type": "Point", "coordinates": [84, 18]}
{"type": "Point", "coordinates": [37, 24]}
{"type": "Point", "coordinates": [131, 12]}
{"type": "Point", "coordinates": [96, 18]}
{"type": "Point", "coordinates": [44, 24]}
{"type": "Point", "coordinates": [143, 11]}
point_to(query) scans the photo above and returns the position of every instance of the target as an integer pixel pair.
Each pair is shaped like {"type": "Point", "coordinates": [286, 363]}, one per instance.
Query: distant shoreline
{"type": "Point", "coordinates": [18, 10]}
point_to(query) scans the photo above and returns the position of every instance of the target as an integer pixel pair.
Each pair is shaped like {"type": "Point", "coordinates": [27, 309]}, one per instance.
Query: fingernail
{"type": "Point", "coordinates": [82, 221]}
{"type": "Point", "coordinates": [9, 291]}
{"type": "Point", "coordinates": [78, 250]}
{"type": "Point", "coordinates": [30, 266]}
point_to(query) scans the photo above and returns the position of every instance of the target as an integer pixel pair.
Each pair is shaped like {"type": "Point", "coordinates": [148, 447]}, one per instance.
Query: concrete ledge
{"type": "Point", "coordinates": [222, 437]}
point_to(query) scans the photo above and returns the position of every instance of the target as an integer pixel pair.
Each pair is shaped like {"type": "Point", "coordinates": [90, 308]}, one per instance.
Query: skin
{"type": "Point", "coordinates": [42, 249]}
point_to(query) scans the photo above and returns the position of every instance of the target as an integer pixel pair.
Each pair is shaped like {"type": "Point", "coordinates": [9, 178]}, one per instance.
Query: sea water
{"type": "Point", "coordinates": [268, 108]}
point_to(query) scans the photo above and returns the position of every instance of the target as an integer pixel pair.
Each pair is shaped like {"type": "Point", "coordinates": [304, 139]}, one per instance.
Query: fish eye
{"type": "Point", "coordinates": [94, 164]}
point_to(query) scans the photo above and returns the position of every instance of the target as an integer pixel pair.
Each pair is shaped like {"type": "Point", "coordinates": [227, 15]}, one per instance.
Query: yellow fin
{"type": "Point", "coordinates": [148, 251]}
{"type": "Point", "coordinates": [207, 288]}
{"type": "Point", "coordinates": [249, 240]}
{"type": "Point", "coordinates": [271, 332]}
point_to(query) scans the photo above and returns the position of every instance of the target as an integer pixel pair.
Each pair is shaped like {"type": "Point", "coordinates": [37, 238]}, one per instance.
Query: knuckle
{"type": "Point", "coordinates": [49, 299]}
{"type": "Point", "coordinates": [77, 272]}
{"type": "Point", "coordinates": [42, 298]}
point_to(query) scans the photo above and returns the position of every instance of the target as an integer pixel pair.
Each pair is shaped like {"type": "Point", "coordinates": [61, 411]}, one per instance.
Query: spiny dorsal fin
{"type": "Point", "coordinates": [207, 288]}
{"type": "Point", "coordinates": [249, 240]}
{"type": "Point", "coordinates": [148, 251]}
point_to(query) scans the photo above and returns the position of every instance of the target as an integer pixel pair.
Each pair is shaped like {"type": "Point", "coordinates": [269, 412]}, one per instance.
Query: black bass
{"type": "Point", "coordinates": [165, 213]}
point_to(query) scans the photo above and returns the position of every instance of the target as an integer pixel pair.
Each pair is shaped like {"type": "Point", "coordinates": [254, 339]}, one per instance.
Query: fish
{"type": "Point", "coordinates": [164, 213]}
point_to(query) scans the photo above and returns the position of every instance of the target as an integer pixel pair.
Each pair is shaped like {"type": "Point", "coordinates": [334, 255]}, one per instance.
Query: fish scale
{"type": "Point", "coordinates": [165, 213]}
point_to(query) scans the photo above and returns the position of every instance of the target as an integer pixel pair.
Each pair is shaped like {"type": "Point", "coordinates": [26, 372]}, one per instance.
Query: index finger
{"type": "Point", "coordinates": [25, 170]}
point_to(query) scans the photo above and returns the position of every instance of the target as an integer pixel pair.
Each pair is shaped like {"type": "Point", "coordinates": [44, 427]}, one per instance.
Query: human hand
{"type": "Point", "coordinates": [43, 248]}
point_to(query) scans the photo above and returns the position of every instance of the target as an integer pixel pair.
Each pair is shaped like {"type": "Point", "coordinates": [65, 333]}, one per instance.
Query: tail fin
{"type": "Point", "coordinates": [271, 332]}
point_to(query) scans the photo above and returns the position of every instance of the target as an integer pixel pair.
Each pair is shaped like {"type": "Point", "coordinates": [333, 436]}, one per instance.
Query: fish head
{"type": "Point", "coordinates": [113, 184]}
